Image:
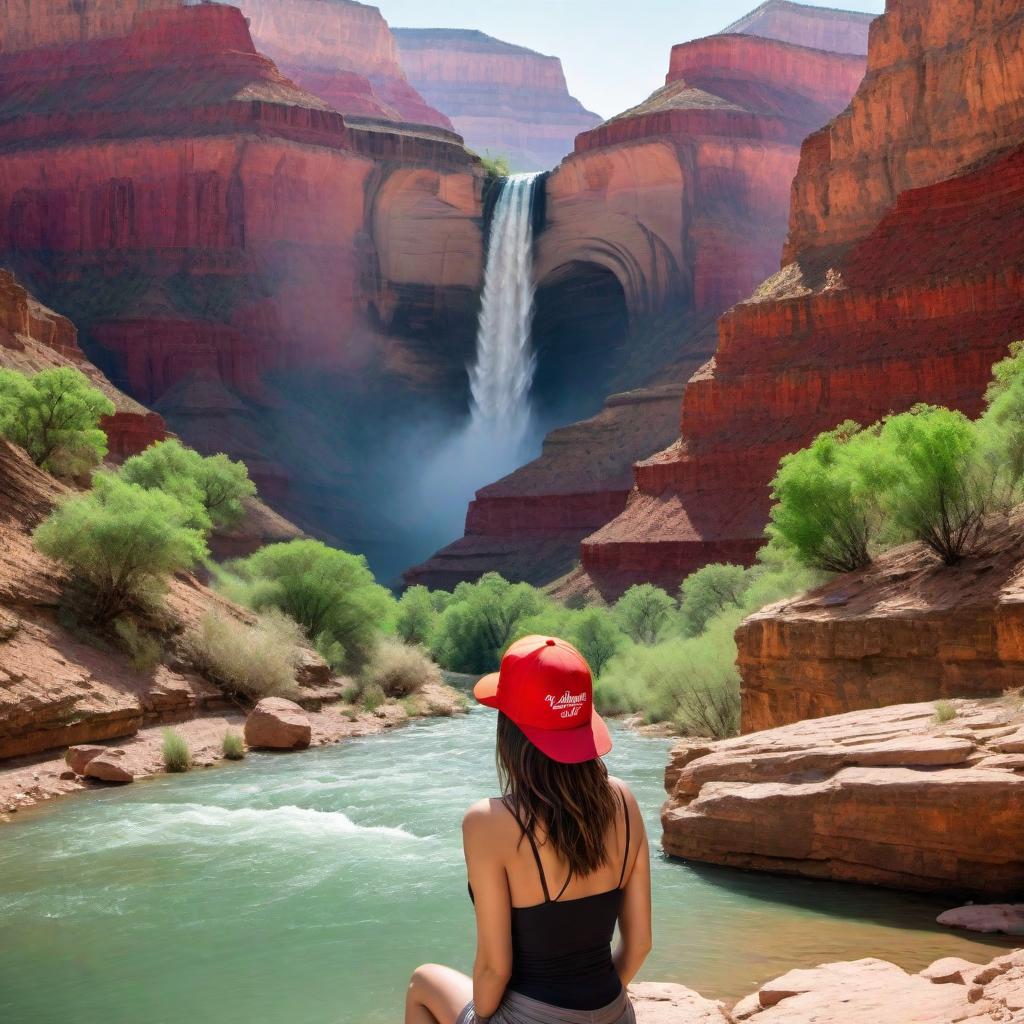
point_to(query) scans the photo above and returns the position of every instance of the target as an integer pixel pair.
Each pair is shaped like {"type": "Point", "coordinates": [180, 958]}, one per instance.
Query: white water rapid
{"type": "Point", "coordinates": [502, 375]}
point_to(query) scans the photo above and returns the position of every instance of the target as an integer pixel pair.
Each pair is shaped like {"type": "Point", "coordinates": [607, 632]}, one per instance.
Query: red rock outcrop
{"type": "Point", "coordinates": [806, 25]}
{"type": "Point", "coordinates": [235, 254]}
{"type": "Point", "coordinates": [277, 724]}
{"type": "Point", "coordinates": [662, 218]}
{"type": "Point", "coordinates": [901, 284]}
{"type": "Point", "coordinates": [907, 628]}
{"type": "Point", "coordinates": [504, 100]}
{"type": "Point", "coordinates": [890, 796]}
{"type": "Point", "coordinates": [342, 51]}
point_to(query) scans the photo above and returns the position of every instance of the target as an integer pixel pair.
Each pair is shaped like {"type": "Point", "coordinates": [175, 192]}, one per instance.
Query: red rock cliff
{"type": "Point", "coordinates": [229, 247]}
{"type": "Point", "coordinates": [504, 100]}
{"type": "Point", "coordinates": [662, 218]}
{"type": "Point", "coordinates": [901, 284]}
{"type": "Point", "coordinates": [343, 52]}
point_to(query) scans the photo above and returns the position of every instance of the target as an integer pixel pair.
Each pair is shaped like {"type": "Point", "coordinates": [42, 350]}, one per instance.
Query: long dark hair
{"type": "Point", "coordinates": [574, 803]}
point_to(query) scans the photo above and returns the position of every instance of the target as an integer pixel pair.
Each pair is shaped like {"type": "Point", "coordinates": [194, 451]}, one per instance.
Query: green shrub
{"type": "Point", "coordinates": [372, 697]}
{"type": "Point", "coordinates": [399, 670]}
{"type": "Point", "coordinates": [350, 693]}
{"type": "Point", "coordinates": [644, 613]}
{"type": "Point", "coordinates": [945, 711]}
{"type": "Point", "coordinates": [825, 500]}
{"type": "Point", "coordinates": [144, 649]}
{"type": "Point", "coordinates": [55, 417]}
{"type": "Point", "coordinates": [709, 591]}
{"type": "Point", "coordinates": [939, 488]}
{"type": "Point", "coordinates": [481, 620]}
{"type": "Point", "coordinates": [1002, 424]}
{"type": "Point", "coordinates": [121, 542]}
{"type": "Point", "coordinates": [233, 746]}
{"type": "Point", "coordinates": [250, 661]}
{"type": "Point", "coordinates": [598, 638]}
{"type": "Point", "coordinates": [496, 166]}
{"type": "Point", "coordinates": [331, 594]}
{"type": "Point", "coordinates": [416, 616]}
{"type": "Point", "coordinates": [177, 757]}
{"type": "Point", "coordinates": [214, 486]}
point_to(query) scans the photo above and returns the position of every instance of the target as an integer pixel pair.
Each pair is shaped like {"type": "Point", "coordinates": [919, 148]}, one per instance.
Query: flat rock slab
{"type": "Point", "coordinates": [674, 1004]}
{"type": "Point", "coordinates": [990, 918]}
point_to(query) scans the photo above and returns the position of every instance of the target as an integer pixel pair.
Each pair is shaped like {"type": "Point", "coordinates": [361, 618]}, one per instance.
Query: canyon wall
{"type": "Point", "coordinates": [238, 256]}
{"type": "Point", "coordinates": [901, 284]}
{"type": "Point", "coordinates": [342, 51]}
{"type": "Point", "coordinates": [820, 27]}
{"type": "Point", "coordinates": [504, 100]}
{"type": "Point", "coordinates": [661, 219]}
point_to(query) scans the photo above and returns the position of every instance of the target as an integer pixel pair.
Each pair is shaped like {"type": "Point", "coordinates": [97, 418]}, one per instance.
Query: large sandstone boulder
{"type": "Point", "coordinates": [277, 724]}
{"type": "Point", "coordinates": [888, 796]}
{"type": "Point", "coordinates": [109, 766]}
{"type": "Point", "coordinates": [1007, 918]}
{"type": "Point", "coordinates": [79, 756]}
{"type": "Point", "coordinates": [674, 1004]}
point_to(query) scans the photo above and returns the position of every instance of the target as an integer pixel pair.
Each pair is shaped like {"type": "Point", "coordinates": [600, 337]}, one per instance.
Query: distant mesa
{"type": "Point", "coordinates": [504, 100]}
{"type": "Point", "coordinates": [819, 27]}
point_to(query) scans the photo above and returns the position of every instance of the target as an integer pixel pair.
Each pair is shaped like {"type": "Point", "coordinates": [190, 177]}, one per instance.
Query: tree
{"type": "Point", "coordinates": [598, 638]}
{"type": "Point", "coordinates": [939, 487]}
{"type": "Point", "coordinates": [1001, 427]}
{"type": "Point", "coordinates": [332, 594]}
{"type": "Point", "coordinates": [416, 615]}
{"type": "Point", "coordinates": [55, 417]}
{"type": "Point", "coordinates": [643, 612]}
{"type": "Point", "coordinates": [709, 591]}
{"type": "Point", "coordinates": [214, 485]}
{"type": "Point", "coordinates": [122, 542]}
{"type": "Point", "coordinates": [482, 619]}
{"type": "Point", "coordinates": [825, 509]}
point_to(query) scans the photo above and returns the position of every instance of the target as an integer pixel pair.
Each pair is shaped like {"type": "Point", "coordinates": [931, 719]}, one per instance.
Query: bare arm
{"type": "Point", "coordinates": [493, 965]}
{"type": "Point", "coordinates": [635, 915]}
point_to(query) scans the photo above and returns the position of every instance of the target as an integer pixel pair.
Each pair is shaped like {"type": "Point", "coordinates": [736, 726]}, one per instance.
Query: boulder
{"type": "Point", "coordinates": [79, 756]}
{"type": "Point", "coordinates": [1007, 918]}
{"type": "Point", "coordinates": [657, 1003]}
{"type": "Point", "coordinates": [277, 724]}
{"type": "Point", "coordinates": [109, 766]}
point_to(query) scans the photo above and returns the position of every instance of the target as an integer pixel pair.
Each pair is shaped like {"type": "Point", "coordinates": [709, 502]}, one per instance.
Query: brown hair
{"type": "Point", "coordinates": [574, 803]}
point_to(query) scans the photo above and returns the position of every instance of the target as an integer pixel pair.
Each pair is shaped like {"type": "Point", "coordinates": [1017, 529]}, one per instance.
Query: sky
{"type": "Point", "coordinates": [615, 52]}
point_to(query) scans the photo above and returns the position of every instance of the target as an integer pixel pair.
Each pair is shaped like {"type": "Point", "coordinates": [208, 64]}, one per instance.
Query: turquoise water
{"type": "Point", "coordinates": [303, 889]}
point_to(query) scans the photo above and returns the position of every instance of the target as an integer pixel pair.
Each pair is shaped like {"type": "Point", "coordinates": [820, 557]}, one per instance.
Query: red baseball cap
{"type": "Point", "coordinates": [546, 688]}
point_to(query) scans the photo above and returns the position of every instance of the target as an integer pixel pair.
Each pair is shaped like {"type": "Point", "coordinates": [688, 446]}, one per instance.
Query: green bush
{"type": "Point", "coordinates": [398, 669]}
{"type": "Point", "coordinates": [233, 746]}
{"type": "Point", "coordinates": [251, 661]}
{"type": "Point", "coordinates": [939, 488]}
{"type": "Point", "coordinates": [144, 649]}
{"type": "Point", "coordinates": [177, 757]}
{"type": "Point", "coordinates": [825, 508]}
{"type": "Point", "coordinates": [331, 594]}
{"type": "Point", "coordinates": [214, 486]}
{"type": "Point", "coordinates": [416, 616]}
{"type": "Point", "coordinates": [472, 632]}
{"type": "Point", "coordinates": [945, 711]}
{"type": "Point", "coordinates": [55, 417]}
{"type": "Point", "coordinates": [496, 166]}
{"type": "Point", "coordinates": [372, 697]}
{"type": "Point", "coordinates": [709, 591]}
{"type": "Point", "coordinates": [644, 612]}
{"type": "Point", "coordinates": [121, 542]}
{"type": "Point", "coordinates": [598, 638]}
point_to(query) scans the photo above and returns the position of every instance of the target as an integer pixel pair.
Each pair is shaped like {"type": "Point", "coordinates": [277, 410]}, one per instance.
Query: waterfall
{"type": "Point", "coordinates": [501, 377]}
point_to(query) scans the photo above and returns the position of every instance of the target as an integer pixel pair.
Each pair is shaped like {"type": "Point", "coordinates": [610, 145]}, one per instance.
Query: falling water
{"type": "Point", "coordinates": [501, 377]}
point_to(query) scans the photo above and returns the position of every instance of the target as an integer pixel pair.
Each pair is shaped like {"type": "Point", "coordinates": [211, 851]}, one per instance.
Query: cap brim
{"type": "Point", "coordinates": [572, 746]}
{"type": "Point", "coordinates": [486, 690]}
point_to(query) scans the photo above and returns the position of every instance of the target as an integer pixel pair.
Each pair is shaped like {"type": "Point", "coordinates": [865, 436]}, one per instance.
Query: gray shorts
{"type": "Point", "coordinates": [517, 1009]}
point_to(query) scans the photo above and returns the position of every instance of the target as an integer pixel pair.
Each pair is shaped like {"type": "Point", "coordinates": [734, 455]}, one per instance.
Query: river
{"type": "Point", "coordinates": [303, 889]}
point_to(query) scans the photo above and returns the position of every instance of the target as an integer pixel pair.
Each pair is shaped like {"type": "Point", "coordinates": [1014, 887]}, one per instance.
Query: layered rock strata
{"type": "Point", "coordinates": [661, 219]}
{"type": "Point", "coordinates": [905, 629]}
{"type": "Point", "coordinates": [235, 254]}
{"type": "Point", "coordinates": [504, 100]}
{"type": "Point", "coordinates": [343, 52]}
{"type": "Point", "coordinates": [890, 796]}
{"type": "Point", "coordinates": [901, 284]}
{"type": "Point", "coordinates": [808, 25]}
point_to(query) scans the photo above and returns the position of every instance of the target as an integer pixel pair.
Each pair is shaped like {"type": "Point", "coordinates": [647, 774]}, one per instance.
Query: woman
{"type": "Point", "coordinates": [553, 864]}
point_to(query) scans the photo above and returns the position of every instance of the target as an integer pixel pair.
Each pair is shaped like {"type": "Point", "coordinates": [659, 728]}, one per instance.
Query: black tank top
{"type": "Point", "coordinates": [562, 949]}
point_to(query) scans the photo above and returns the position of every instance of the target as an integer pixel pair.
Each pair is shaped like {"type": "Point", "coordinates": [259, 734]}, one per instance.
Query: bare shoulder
{"type": "Point", "coordinates": [635, 814]}
{"type": "Point", "coordinates": [487, 817]}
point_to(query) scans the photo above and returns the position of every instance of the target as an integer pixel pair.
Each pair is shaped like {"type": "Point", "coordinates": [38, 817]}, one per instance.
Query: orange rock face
{"type": "Point", "coordinates": [504, 100]}
{"type": "Point", "coordinates": [343, 52]}
{"type": "Point", "coordinates": [886, 797]}
{"type": "Point", "coordinates": [226, 255]}
{"type": "Point", "coordinates": [901, 284]}
{"type": "Point", "coordinates": [662, 218]}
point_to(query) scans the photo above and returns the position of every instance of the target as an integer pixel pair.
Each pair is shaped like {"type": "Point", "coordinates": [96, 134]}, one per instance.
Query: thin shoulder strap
{"type": "Point", "coordinates": [536, 852]}
{"type": "Point", "coordinates": [625, 852]}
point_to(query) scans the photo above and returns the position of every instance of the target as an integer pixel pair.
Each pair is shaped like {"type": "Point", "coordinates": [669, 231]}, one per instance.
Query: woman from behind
{"type": "Point", "coordinates": [554, 863]}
